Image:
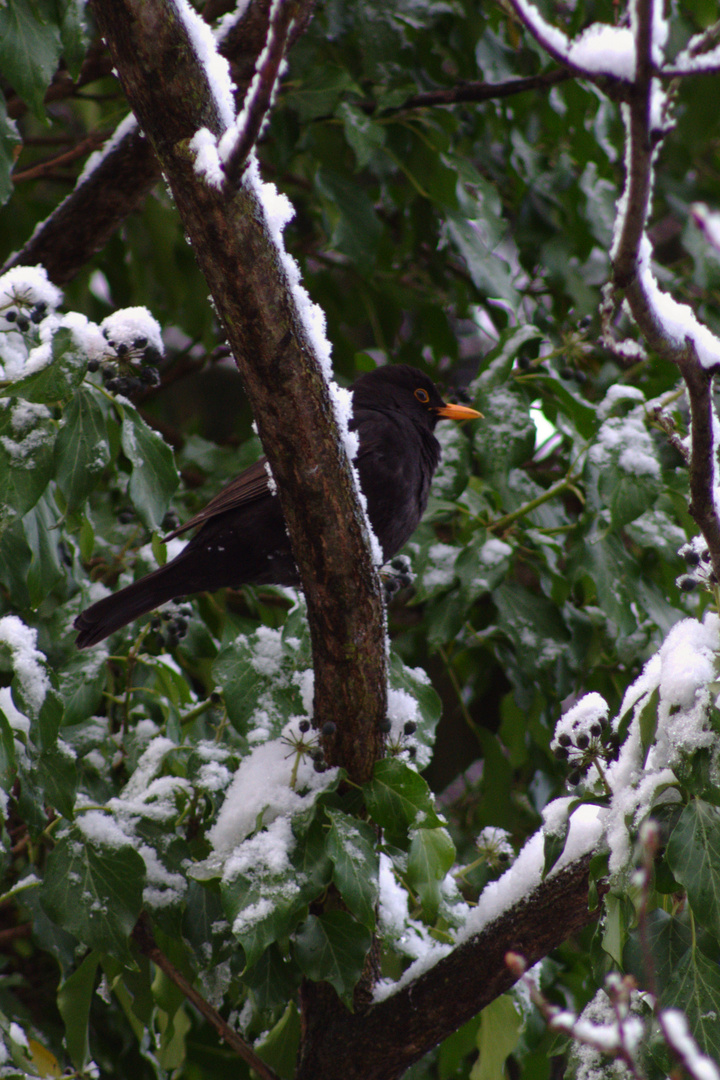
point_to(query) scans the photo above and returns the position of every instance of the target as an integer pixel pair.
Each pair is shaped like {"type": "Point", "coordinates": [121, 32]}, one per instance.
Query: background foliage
{"type": "Point", "coordinates": [471, 241]}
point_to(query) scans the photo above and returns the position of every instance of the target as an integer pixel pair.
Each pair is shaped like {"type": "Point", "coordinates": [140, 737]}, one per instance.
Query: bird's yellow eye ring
{"type": "Point", "coordinates": [422, 395]}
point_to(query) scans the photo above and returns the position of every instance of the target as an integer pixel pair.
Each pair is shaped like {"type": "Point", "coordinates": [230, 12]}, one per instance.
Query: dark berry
{"type": "Point", "coordinates": [140, 343]}
{"type": "Point", "coordinates": [566, 373]}
{"type": "Point", "coordinates": [595, 729]}
{"type": "Point", "coordinates": [316, 753]}
{"type": "Point", "coordinates": [93, 365]}
{"type": "Point", "coordinates": [126, 515]}
{"type": "Point", "coordinates": [574, 777]}
{"type": "Point", "coordinates": [328, 729]}
{"type": "Point", "coordinates": [319, 766]}
{"type": "Point", "coordinates": [11, 315]}
{"type": "Point", "coordinates": [582, 741]}
{"type": "Point", "coordinates": [687, 583]}
{"type": "Point", "coordinates": [304, 726]}
{"type": "Point", "coordinates": [215, 698]}
{"type": "Point", "coordinates": [385, 725]}
{"type": "Point", "coordinates": [149, 376]}
{"type": "Point", "coordinates": [23, 323]}
{"type": "Point", "coordinates": [122, 349]}
{"type": "Point", "coordinates": [152, 355]}
{"type": "Point", "coordinates": [706, 556]}
{"type": "Point", "coordinates": [564, 739]}
{"type": "Point", "coordinates": [561, 753]}
{"type": "Point", "coordinates": [410, 727]}
{"type": "Point", "coordinates": [691, 557]}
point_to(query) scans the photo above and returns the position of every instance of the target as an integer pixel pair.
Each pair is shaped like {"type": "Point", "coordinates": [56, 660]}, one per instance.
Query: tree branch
{"type": "Point", "coordinates": [170, 94]}
{"type": "Point", "coordinates": [259, 96]}
{"type": "Point", "coordinates": [84, 222]}
{"type": "Point", "coordinates": [480, 91]}
{"type": "Point", "coordinates": [382, 1041]}
{"type": "Point", "coordinates": [670, 329]}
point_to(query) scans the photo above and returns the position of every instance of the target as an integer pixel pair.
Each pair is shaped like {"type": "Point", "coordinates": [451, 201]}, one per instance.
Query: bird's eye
{"type": "Point", "coordinates": [422, 395]}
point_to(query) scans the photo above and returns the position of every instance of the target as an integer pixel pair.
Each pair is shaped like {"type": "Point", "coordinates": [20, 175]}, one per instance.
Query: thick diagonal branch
{"type": "Point", "coordinates": [381, 1042]}
{"type": "Point", "coordinates": [171, 95]}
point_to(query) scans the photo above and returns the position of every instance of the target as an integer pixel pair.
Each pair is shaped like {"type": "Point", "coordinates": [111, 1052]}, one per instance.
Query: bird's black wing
{"type": "Point", "coordinates": [251, 484]}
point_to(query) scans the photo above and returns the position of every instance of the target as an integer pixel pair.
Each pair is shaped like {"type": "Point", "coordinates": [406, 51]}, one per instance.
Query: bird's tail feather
{"type": "Point", "coordinates": [113, 612]}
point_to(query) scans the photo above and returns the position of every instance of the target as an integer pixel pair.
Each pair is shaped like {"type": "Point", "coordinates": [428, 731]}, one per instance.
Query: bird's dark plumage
{"type": "Point", "coordinates": [241, 537]}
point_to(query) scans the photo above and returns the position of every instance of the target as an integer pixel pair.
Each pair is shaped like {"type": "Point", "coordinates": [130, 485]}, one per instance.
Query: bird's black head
{"type": "Point", "coordinates": [399, 386]}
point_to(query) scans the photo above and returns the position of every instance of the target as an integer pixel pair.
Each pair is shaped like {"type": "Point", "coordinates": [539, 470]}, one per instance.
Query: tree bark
{"type": "Point", "coordinates": [382, 1041]}
{"type": "Point", "coordinates": [171, 97]}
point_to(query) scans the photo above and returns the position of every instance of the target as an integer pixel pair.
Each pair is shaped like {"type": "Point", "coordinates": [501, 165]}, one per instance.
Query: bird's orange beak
{"type": "Point", "coordinates": [458, 412]}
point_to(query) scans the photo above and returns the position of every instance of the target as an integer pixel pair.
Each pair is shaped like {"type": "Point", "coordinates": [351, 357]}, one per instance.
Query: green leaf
{"type": "Point", "coordinates": [265, 904]}
{"type": "Point", "coordinates": [432, 853]}
{"type": "Point", "coordinates": [46, 567]}
{"type": "Point", "coordinates": [74, 34]}
{"type": "Point", "coordinates": [81, 449]}
{"type": "Point", "coordinates": [27, 434]}
{"type": "Point", "coordinates": [9, 141]}
{"type": "Point", "coordinates": [351, 844]}
{"type": "Point", "coordinates": [694, 987]}
{"type": "Point", "coordinates": [506, 437]}
{"type": "Point", "coordinates": [627, 494]}
{"type": "Point", "coordinates": [500, 1027]}
{"type": "Point", "coordinates": [58, 775]}
{"type": "Point", "coordinates": [356, 229]}
{"type": "Point", "coordinates": [273, 980]}
{"type": "Point", "coordinates": [94, 890]}
{"type": "Point", "coordinates": [332, 948]}
{"type": "Point", "coordinates": [279, 1046]}
{"type": "Point", "coordinates": [154, 477]}
{"type": "Point", "coordinates": [478, 229]}
{"type": "Point", "coordinates": [74, 998]}
{"type": "Point", "coordinates": [363, 134]}
{"type": "Point", "coordinates": [29, 49]}
{"type": "Point", "coordinates": [498, 363]}
{"type": "Point", "coordinates": [398, 798]}
{"type": "Point", "coordinates": [58, 379]}
{"type": "Point", "coordinates": [8, 764]}
{"type": "Point", "coordinates": [319, 90]}
{"type": "Point", "coordinates": [693, 854]}
{"type": "Point", "coordinates": [533, 624]}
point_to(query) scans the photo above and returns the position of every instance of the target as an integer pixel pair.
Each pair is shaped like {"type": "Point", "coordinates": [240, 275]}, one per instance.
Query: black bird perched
{"type": "Point", "coordinates": [241, 537]}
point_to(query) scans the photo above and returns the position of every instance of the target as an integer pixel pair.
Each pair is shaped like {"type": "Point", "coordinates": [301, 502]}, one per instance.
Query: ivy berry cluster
{"type": "Point", "coordinates": [131, 368]}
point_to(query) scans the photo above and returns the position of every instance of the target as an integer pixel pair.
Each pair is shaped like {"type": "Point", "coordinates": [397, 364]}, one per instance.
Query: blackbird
{"type": "Point", "coordinates": [242, 538]}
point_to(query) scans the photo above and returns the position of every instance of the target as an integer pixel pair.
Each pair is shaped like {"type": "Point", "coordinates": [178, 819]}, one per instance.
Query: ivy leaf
{"type": "Point", "coordinates": [432, 853]}
{"type": "Point", "coordinates": [500, 1028]}
{"type": "Point", "coordinates": [265, 904]}
{"type": "Point", "coordinates": [351, 846]}
{"type": "Point", "coordinates": [364, 135]}
{"type": "Point", "coordinates": [9, 142]}
{"type": "Point", "coordinates": [58, 379]}
{"type": "Point", "coordinates": [27, 435]}
{"type": "Point", "coordinates": [154, 477]}
{"type": "Point", "coordinates": [693, 854]}
{"type": "Point", "coordinates": [29, 50]}
{"type": "Point", "coordinates": [74, 998]}
{"type": "Point", "coordinates": [81, 449]}
{"type": "Point", "coordinates": [332, 948]}
{"type": "Point", "coordinates": [94, 890]}
{"type": "Point", "coordinates": [398, 798]}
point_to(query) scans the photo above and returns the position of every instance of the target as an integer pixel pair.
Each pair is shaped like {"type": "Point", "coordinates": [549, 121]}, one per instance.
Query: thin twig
{"type": "Point", "coordinates": [143, 937]}
{"type": "Point", "coordinates": [262, 88]}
